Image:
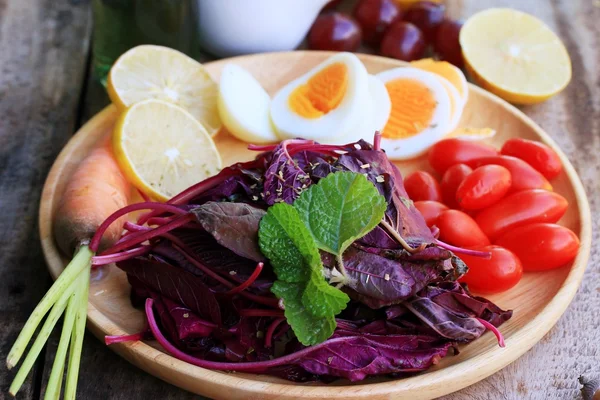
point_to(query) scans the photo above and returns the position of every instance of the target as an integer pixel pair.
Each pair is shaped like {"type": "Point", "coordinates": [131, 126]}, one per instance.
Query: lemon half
{"type": "Point", "coordinates": [163, 149]}
{"type": "Point", "coordinates": [156, 72]}
{"type": "Point", "coordinates": [514, 55]}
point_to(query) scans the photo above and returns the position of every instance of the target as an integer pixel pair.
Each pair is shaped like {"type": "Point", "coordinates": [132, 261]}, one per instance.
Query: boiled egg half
{"type": "Point", "coordinates": [326, 104]}
{"type": "Point", "coordinates": [421, 112]}
{"type": "Point", "coordinates": [244, 106]}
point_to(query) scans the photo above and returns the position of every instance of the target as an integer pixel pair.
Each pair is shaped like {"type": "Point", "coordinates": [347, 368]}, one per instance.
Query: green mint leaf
{"type": "Point", "coordinates": [342, 207]}
{"type": "Point", "coordinates": [286, 242]}
{"type": "Point", "coordinates": [322, 299]}
{"type": "Point", "coordinates": [309, 329]}
{"type": "Point", "coordinates": [310, 302]}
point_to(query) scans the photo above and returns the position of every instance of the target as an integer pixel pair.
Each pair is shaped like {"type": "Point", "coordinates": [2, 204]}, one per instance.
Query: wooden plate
{"type": "Point", "coordinates": [538, 300]}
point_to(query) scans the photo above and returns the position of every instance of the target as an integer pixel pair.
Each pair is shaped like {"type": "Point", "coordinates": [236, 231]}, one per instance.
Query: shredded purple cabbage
{"type": "Point", "coordinates": [206, 286]}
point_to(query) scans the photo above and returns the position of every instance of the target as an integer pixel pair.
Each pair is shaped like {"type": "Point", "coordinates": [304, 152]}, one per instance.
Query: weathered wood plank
{"type": "Point", "coordinates": [550, 370]}
{"type": "Point", "coordinates": [43, 46]}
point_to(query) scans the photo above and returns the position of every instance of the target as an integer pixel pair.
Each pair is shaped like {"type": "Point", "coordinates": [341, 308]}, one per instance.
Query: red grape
{"type": "Point", "coordinates": [374, 17]}
{"type": "Point", "coordinates": [332, 5]}
{"type": "Point", "coordinates": [427, 16]}
{"type": "Point", "coordinates": [446, 42]}
{"type": "Point", "coordinates": [334, 31]}
{"type": "Point", "coordinates": [403, 41]}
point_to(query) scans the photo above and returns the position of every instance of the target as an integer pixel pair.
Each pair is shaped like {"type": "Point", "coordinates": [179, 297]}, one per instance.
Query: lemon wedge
{"type": "Point", "coordinates": [156, 72]}
{"type": "Point", "coordinates": [514, 55]}
{"type": "Point", "coordinates": [163, 149]}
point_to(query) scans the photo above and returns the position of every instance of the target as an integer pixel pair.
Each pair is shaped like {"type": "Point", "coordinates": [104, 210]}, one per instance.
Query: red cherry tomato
{"type": "Point", "coordinates": [374, 17]}
{"type": "Point", "coordinates": [541, 246]}
{"type": "Point", "coordinates": [459, 229]}
{"type": "Point", "coordinates": [484, 187]}
{"type": "Point", "coordinates": [451, 180]}
{"type": "Point", "coordinates": [446, 42]}
{"type": "Point", "coordinates": [403, 41]}
{"type": "Point", "coordinates": [519, 209]}
{"type": "Point", "coordinates": [448, 152]}
{"type": "Point", "coordinates": [334, 31]}
{"type": "Point", "coordinates": [427, 16]}
{"type": "Point", "coordinates": [430, 210]}
{"type": "Point", "coordinates": [494, 275]}
{"type": "Point", "coordinates": [421, 185]}
{"type": "Point", "coordinates": [538, 155]}
{"type": "Point", "coordinates": [524, 176]}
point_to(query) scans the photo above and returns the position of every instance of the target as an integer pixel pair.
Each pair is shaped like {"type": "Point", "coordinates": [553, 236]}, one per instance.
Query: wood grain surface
{"type": "Point", "coordinates": [43, 49]}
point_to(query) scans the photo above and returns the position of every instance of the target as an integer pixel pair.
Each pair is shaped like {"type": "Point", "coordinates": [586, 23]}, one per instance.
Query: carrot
{"type": "Point", "coordinates": [96, 191]}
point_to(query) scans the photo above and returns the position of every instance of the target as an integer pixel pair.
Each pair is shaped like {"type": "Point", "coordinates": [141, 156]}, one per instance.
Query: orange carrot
{"type": "Point", "coordinates": [95, 191]}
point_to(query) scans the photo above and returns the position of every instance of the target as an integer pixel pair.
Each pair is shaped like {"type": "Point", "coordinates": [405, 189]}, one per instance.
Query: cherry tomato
{"type": "Point", "coordinates": [494, 275]}
{"type": "Point", "coordinates": [446, 42]}
{"type": "Point", "coordinates": [374, 18]}
{"type": "Point", "coordinates": [538, 155]}
{"type": "Point", "coordinates": [421, 185]}
{"type": "Point", "coordinates": [403, 41]}
{"type": "Point", "coordinates": [483, 187]}
{"type": "Point", "coordinates": [334, 31]}
{"type": "Point", "coordinates": [427, 16]}
{"type": "Point", "coordinates": [430, 210]}
{"type": "Point", "coordinates": [451, 180]}
{"type": "Point", "coordinates": [519, 209]}
{"type": "Point", "coordinates": [448, 152]}
{"type": "Point", "coordinates": [459, 229]}
{"type": "Point", "coordinates": [524, 176]}
{"type": "Point", "coordinates": [541, 246]}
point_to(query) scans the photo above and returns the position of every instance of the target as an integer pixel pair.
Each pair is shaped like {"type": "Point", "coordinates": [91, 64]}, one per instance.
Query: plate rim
{"type": "Point", "coordinates": [424, 386]}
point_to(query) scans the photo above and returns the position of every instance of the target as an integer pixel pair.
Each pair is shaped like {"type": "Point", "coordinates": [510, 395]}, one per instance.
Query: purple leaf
{"type": "Point", "coordinates": [176, 284]}
{"type": "Point", "coordinates": [452, 312]}
{"type": "Point", "coordinates": [233, 225]}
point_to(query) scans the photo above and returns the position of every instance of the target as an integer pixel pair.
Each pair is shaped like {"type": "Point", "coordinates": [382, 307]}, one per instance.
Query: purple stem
{"type": "Point", "coordinates": [270, 330]}
{"type": "Point", "coordinates": [124, 338]}
{"type": "Point", "coordinates": [494, 330]}
{"type": "Point", "coordinates": [131, 227]}
{"type": "Point", "coordinates": [255, 366]}
{"type": "Point", "coordinates": [147, 235]}
{"type": "Point", "coordinates": [460, 250]}
{"type": "Point", "coordinates": [98, 261]}
{"type": "Point", "coordinates": [377, 141]}
{"type": "Point", "coordinates": [248, 281]}
{"type": "Point", "coordinates": [95, 242]}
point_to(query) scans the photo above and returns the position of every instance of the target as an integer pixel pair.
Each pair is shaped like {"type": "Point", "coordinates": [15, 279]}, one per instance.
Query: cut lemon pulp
{"type": "Point", "coordinates": [156, 72]}
{"type": "Point", "coordinates": [514, 55]}
{"type": "Point", "coordinates": [163, 149]}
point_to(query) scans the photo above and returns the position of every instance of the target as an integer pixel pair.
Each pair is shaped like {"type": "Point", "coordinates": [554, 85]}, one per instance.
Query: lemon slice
{"type": "Point", "coordinates": [163, 149]}
{"type": "Point", "coordinates": [514, 55]}
{"type": "Point", "coordinates": [156, 72]}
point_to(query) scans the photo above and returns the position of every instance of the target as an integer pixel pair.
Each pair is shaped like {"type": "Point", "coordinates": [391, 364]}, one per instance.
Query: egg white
{"type": "Point", "coordinates": [334, 125]}
{"type": "Point", "coordinates": [414, 146]}
{"type": "Point", "coordinates": [377, 112]}
{"type": "Point", "coordinates": [459, 104]}
{"type": "Point", "coordinates": [244, 106]}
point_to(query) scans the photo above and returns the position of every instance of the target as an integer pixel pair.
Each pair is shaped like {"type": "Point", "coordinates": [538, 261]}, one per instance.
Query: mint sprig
{"type": "Point", "coordinates": [341, 208]}
{"type": "Point", "coordinates": [330, 215]}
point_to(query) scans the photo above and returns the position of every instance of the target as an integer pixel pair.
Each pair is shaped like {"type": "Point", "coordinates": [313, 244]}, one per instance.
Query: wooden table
{"type": "Point", "coordinates": [46, 94]}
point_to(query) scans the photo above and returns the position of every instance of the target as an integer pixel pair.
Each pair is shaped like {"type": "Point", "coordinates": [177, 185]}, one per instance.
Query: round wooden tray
{"type": "Point", "coordinates": [538, 300]}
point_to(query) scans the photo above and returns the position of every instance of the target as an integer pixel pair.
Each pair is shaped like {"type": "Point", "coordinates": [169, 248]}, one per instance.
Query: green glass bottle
{"type": "Point", "coordinates": [122, 24]}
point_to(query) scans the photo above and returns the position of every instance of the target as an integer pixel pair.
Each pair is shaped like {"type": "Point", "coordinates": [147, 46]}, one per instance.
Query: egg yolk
{"type": "Point", "coordinates": [413, 106]}
{"type": "Point", "coordinates": [322, 93]}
